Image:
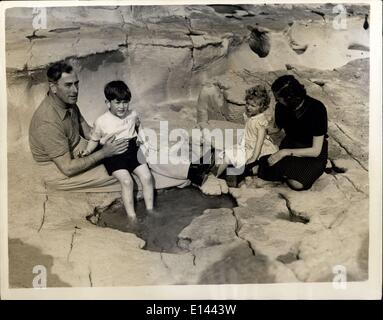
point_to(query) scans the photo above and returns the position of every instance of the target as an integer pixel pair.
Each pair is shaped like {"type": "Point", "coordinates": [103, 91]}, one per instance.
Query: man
{"type": "Point", "coordinates": [58, 131]}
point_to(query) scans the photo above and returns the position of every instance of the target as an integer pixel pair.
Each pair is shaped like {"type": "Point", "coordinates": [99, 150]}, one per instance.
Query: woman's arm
{"type": "Point", "coordinates": [261, 134]}
{"type": "Point", "coordinates": [314, 151]}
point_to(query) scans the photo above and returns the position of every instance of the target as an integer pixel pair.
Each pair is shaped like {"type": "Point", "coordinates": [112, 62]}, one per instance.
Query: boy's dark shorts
{"type": "Point", "coordinates": [127, 160]}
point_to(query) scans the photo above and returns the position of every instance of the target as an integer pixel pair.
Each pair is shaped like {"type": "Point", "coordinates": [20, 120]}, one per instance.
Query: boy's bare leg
{"type": "Point", "coordinates": [145, 176]}
{"type": "Point", "coordinates": [127, 192]}
{"type": "Point", "coordinates": [140, 193]}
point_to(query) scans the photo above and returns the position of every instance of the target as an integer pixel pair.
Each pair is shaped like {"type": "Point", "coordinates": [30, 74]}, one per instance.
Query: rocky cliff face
{"type": "Point", "coordinates": [166, 54]}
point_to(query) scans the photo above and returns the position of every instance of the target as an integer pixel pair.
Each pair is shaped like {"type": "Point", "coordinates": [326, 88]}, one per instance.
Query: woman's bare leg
{"type": "Point", "coordinates": [295, 185]}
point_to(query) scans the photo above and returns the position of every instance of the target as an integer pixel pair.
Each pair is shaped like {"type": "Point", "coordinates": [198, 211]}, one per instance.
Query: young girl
{"type": "Point", "coordinates": [121, 122]}
{"type": "Point", "coordinates": [255, 141]}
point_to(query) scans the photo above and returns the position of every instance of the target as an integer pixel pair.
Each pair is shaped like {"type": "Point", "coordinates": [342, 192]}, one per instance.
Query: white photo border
{"type": "Point", "coordinates": [370, 289]}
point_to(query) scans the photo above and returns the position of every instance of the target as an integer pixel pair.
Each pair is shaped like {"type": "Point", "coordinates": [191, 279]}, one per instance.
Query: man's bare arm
{"type": "Point", "coordinates": [71, 167]}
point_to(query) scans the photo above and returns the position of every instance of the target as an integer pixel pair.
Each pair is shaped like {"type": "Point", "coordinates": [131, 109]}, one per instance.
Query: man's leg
{"type": "Point", "coordinates": [96, 179]}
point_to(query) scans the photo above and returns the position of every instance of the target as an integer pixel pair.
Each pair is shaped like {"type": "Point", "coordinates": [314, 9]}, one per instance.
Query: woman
{"type": "Point", "coordinates": [302, 157]}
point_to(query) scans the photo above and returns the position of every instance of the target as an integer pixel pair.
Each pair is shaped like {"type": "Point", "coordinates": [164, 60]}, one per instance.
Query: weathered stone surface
{"type": "Point", "coordinates": [334, 211]}
{"type": "Point", "coordinates": [247, 193]}
{"type": "Point", "coordinates": [205, 232]}
{"type": "Point", "coordinates": [345, 245]}
{"type": "Point", "coordinates": [214, 186]}
{"type": "Point", "coordinates": [154, 14]}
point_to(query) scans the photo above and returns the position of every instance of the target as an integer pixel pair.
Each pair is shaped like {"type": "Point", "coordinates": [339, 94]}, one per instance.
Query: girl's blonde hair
{"type": "Point", "coordinates": [258, 93]}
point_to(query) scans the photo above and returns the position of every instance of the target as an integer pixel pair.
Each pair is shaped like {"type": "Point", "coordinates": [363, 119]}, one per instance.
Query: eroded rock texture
{"type": "Point", "coordinates": [166, 55]}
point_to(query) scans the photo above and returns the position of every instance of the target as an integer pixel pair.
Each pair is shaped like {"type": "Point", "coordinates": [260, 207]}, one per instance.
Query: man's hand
{"type": "Point", "coordinates": [275, 157]}
{"type": "Point", "coordinates": [114, 147]}
{"type": "Point", "coordinates": [83, 153]}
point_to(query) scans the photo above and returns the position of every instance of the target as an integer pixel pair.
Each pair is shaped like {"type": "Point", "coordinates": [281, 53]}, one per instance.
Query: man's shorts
{"type": "Point", "coordinates": [127, 160]}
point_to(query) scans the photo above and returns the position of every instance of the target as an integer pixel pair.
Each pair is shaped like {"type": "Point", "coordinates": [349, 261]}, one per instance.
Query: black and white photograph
{"type": "Point", "coordinates": [191, 150]}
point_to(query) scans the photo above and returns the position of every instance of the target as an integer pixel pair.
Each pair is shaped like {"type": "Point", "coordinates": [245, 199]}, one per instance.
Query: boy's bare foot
{"type": "Point", "coordinates": [132, 220]}
{"type": "Point", "coordinates": [153, 213]}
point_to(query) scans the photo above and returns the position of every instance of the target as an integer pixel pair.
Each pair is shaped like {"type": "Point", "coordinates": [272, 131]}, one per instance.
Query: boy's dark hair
{"type": "Point", "coordinates": [288, 87]}
{"type": "Point", "coordinates": [117, 90]}
{"type": "Point", "coordinates": [260, 94]}
{"type": "Point", "coordinates": [56, 70]}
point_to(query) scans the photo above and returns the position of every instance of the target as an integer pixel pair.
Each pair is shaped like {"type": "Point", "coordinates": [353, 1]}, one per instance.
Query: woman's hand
{"type": "Point", "coordinates": [275, 157]}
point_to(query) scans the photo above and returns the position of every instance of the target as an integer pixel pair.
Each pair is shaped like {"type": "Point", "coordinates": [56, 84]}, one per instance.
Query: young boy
{"type": "Point", "coordinates": [121, 122]}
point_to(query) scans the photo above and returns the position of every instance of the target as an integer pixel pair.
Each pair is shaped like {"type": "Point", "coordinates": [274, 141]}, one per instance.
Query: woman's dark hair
{"type": "Point", "coordinates": [117, 90]}
{"type": "Point", "coordinates": [56, 70]}
{"type": "Point", "coordinates": [288, 88]}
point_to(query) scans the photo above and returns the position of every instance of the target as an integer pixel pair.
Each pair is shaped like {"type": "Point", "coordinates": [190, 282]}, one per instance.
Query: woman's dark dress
{"type": "Point", "coordinates": [299, 134]}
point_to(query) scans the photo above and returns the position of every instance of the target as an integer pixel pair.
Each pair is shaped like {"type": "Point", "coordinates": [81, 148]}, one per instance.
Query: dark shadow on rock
{"type": "Point", "coordinates": [287, 258]}
{"type": "Point", "coordinates": [233, 17]}
{"type": "Point", "coordinates": [175, 209]}
{"type": "Point", "coordinates": [68, 29]}
{"type": "Point", "coordinates": [94, 61]}
{"type": "Point", "coordinates": [239, 266]}
{"type": "Point", "coordinates": [175, 108]}
{"type": "Point", "coordinates": [226, 9]}
{"type": "Point", "coordinates": [293, 218]}
{"type": "Point", "coordinates": [259, 41]}
{"type": "Point", "coordinates": [299, 49]}
{"type": "Point", "coordinates": [356, 46]}
{"type": "Point", "coordinates": [22, 259]}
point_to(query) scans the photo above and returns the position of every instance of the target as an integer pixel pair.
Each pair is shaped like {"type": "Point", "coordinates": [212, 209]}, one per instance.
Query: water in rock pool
{"type": "Point", "coordinates": [175, 208]}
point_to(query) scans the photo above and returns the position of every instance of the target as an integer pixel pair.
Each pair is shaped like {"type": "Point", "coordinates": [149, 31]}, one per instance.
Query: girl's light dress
{"type": "Point", "coordinates": [238, 155]}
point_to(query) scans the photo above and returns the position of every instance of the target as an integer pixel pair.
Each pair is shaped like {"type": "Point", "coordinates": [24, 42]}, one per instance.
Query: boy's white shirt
{"type": "Point", "coordinates": [108, 125]}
